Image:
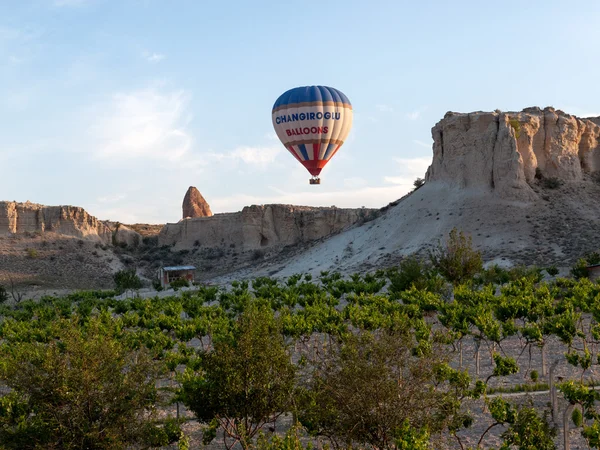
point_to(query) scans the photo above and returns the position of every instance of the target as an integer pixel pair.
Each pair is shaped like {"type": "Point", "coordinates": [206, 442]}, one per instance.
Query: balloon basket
{"type": "Point", "coordinates": [315, 181]}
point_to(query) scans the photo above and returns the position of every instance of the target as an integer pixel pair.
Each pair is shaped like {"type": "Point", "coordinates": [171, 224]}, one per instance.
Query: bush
{"type": "Point", "coordinates": [534, 375]}
{"type": "Point", "coordinates": [180, 283]}
{"type": "Point", "coordinates": [579, 270]}
{"type": "Point", "coordinates": [418, 183]}
{"type": "Point", "coordinates": [577, 417]}
{"type": "Point", "coordinates": [31, 253]}
{"type": "Point", "coordinates": [593, 258]}
{"type": "Point", "coordinates": [370, 387]}
{"type": "Point", "coordinates": [258, 254]}
{"type": "Point", "coordinates": [409, 272]}
{"type": "Point", "coordinates": [552, 271]}
{"type": "Point", "coordinates": [456, 260]}
{"type": "Point", "coordinates": [538, 173]}
{"type": "Point", "coordinates": [516, 125]}
{"type": "Point", "coordinates": [245, 382]}
{"type": "Point", "coordinates": [126, 280]}
{"type": "Point", "coordinates": [156, 284]}
{"type": "Point", "coordinates": [82, 389]}
{"type": "Point", "coordinates": [552, 183]}
{"type": "Point", "coordinates": [3, 294]}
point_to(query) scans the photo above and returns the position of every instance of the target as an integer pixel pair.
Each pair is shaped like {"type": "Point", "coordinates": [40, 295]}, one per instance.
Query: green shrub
{"type": "Point", "coordinates": [180, 283]}
{"type": "Point", "coordinates": [126, 280]}
{"type": "Point", "coordinates": [418, 183]}
{"type": "Point", "coordinates": [577, 417]}
{"type": "Point", "coordinates": [534, 376]}
{"type": "Point", "coordinates": [84, 388]}
{"type": "Point", "coordinates": [31, 253]}
{"type": "Point", "coordinates": [410, 272]}
{"type": "Point", "coordinates": [552, 271]}
{"type": "Point", "coordinates": [456, 259]}
{"type": "Point", "coordinates": [3, 294]}
{"type": "Point", "coordinates": [593, 258]}
{"type": "Point", "coordinates": [156, 284]}
{"type": "Point", "coordinates": [516, 125]}
{"type": "Point", "coordinates": [552, 183]}
{"type": "Point", "coordinates": [538, 174]}
{"type": "Point", "coordinates": [579, 270]}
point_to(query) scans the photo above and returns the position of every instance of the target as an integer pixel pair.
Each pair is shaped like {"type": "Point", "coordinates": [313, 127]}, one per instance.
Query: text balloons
{"type": "Point", "coordinates": [312, 122]}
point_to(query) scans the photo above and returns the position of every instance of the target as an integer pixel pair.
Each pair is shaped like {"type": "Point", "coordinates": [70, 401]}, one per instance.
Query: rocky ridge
{"type": "Point", "coordinates": [260, 227]}
{"type": "Point", "coordinates": [19, 218]}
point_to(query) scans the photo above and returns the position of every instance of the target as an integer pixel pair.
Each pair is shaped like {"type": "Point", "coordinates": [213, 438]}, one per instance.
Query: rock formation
{"type": "Point", "coordinates": [68, 220]}
{"type": "Point", "coordinates": [502, 152]}
{"type": "Point", "coordinates": [265, 226]}
{"type": "Point", "coordinates": [194, 204]}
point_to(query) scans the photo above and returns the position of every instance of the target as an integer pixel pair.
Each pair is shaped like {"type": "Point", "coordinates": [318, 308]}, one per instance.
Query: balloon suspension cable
{"type": "Point", "coordinates": [315, 180]}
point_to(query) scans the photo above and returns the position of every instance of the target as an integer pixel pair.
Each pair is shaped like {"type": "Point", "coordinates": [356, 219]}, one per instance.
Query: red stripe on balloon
{"type": "Point", "coordinates": [316, 151]}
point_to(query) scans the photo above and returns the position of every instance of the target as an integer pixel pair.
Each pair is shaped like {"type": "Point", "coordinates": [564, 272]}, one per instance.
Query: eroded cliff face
{"type": "Point", "coordinates": [501, 152]}
{"type": "Point", "coordinates": [67, 220]}
{"type": "Point", "coordinates": [260, 227]}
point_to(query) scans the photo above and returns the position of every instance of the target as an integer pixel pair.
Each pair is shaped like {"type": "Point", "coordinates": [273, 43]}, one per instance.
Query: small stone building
{"type": "Point", "coordinates": [166, 275]}
{"type": "Point", "coordinates": [594, 272]}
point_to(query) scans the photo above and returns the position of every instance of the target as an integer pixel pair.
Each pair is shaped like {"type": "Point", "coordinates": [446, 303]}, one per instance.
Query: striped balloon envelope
{"type": "Point", "coordinates": [312, 122]}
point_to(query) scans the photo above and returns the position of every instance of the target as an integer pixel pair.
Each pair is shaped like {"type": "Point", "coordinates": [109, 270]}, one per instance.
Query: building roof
{"type": "Point", "coordinates": [174, 268]}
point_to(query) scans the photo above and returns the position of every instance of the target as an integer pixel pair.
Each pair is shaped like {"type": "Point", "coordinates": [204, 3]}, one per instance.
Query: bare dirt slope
{"type": "Point", "coordinates": [560, 226]}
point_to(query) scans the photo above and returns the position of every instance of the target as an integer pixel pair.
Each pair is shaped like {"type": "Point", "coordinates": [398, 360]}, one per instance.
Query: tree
{"type": "Point", "coordinates": [126, 280]}
{"type": "Point", "coordinates": [82, 389]}
{"type": "Point", "coordinates": [418, 183]}
{"type": "Point", "coordinates": [247, 381]}
{"type": "Point", "coordinates": [526, 429]}
{"type": "Point", "coordinates": [372, 391]}
{"type": "Point", "coordinates": [456, 260]}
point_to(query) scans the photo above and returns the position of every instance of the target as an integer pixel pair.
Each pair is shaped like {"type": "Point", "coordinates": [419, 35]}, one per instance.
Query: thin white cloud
{"type": "Point", "coordinates": [413, 166]}
{"type": "Point", "coordinates": [255, 157]}
{"type": "Point", "coordinates": [410, 169]}
{"type": "Point", "coordinates": [153, 57]}
{"type": "Point", "coordinates": [421, 143]}
{"type": "Point", "coordinates": [416, 114]}
{"type": "Point", "coordinates": [111, 198]}
{"type": "Point", "coordinates": [147, 123]}
{"type": "Point", "coordinates": [384, 108]}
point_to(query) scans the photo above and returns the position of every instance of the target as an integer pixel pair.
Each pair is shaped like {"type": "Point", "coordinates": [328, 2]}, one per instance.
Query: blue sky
{"type": "Point", "coordinates": [119, 105]}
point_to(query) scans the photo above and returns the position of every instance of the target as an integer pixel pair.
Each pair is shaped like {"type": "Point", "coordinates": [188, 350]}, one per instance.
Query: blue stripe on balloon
{"type": "Point", "coordinates": [306, 94]}
{"type": "Point", "coordinates": [330, 149]}
{"type": "Point", "coordinates": [302, 149]}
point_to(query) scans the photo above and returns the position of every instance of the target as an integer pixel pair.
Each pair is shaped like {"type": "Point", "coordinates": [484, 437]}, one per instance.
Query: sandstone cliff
{"type": "Point", "coordinates": [503, 152]}
{"type": "Point", "coordinates": [260, 227]}
{"type": "Point", "coordinates": [67, 220]}
{"type": "Point", "coordinates": [194, 204]}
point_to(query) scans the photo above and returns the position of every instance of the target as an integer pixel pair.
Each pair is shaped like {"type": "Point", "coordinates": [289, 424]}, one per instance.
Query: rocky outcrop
{"type": "Point", "coordinates": [67, 220]}
{"type": "Point", "coordinates": [503, 151]}
{"type": "Point", "coordinates": [194, 204]}
{"type": "Point", "coordinates": [261, 227]}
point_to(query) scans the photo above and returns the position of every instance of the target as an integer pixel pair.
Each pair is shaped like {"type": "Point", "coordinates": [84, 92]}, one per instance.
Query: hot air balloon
{"type": "Point", "coordinates": [312, 122]}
